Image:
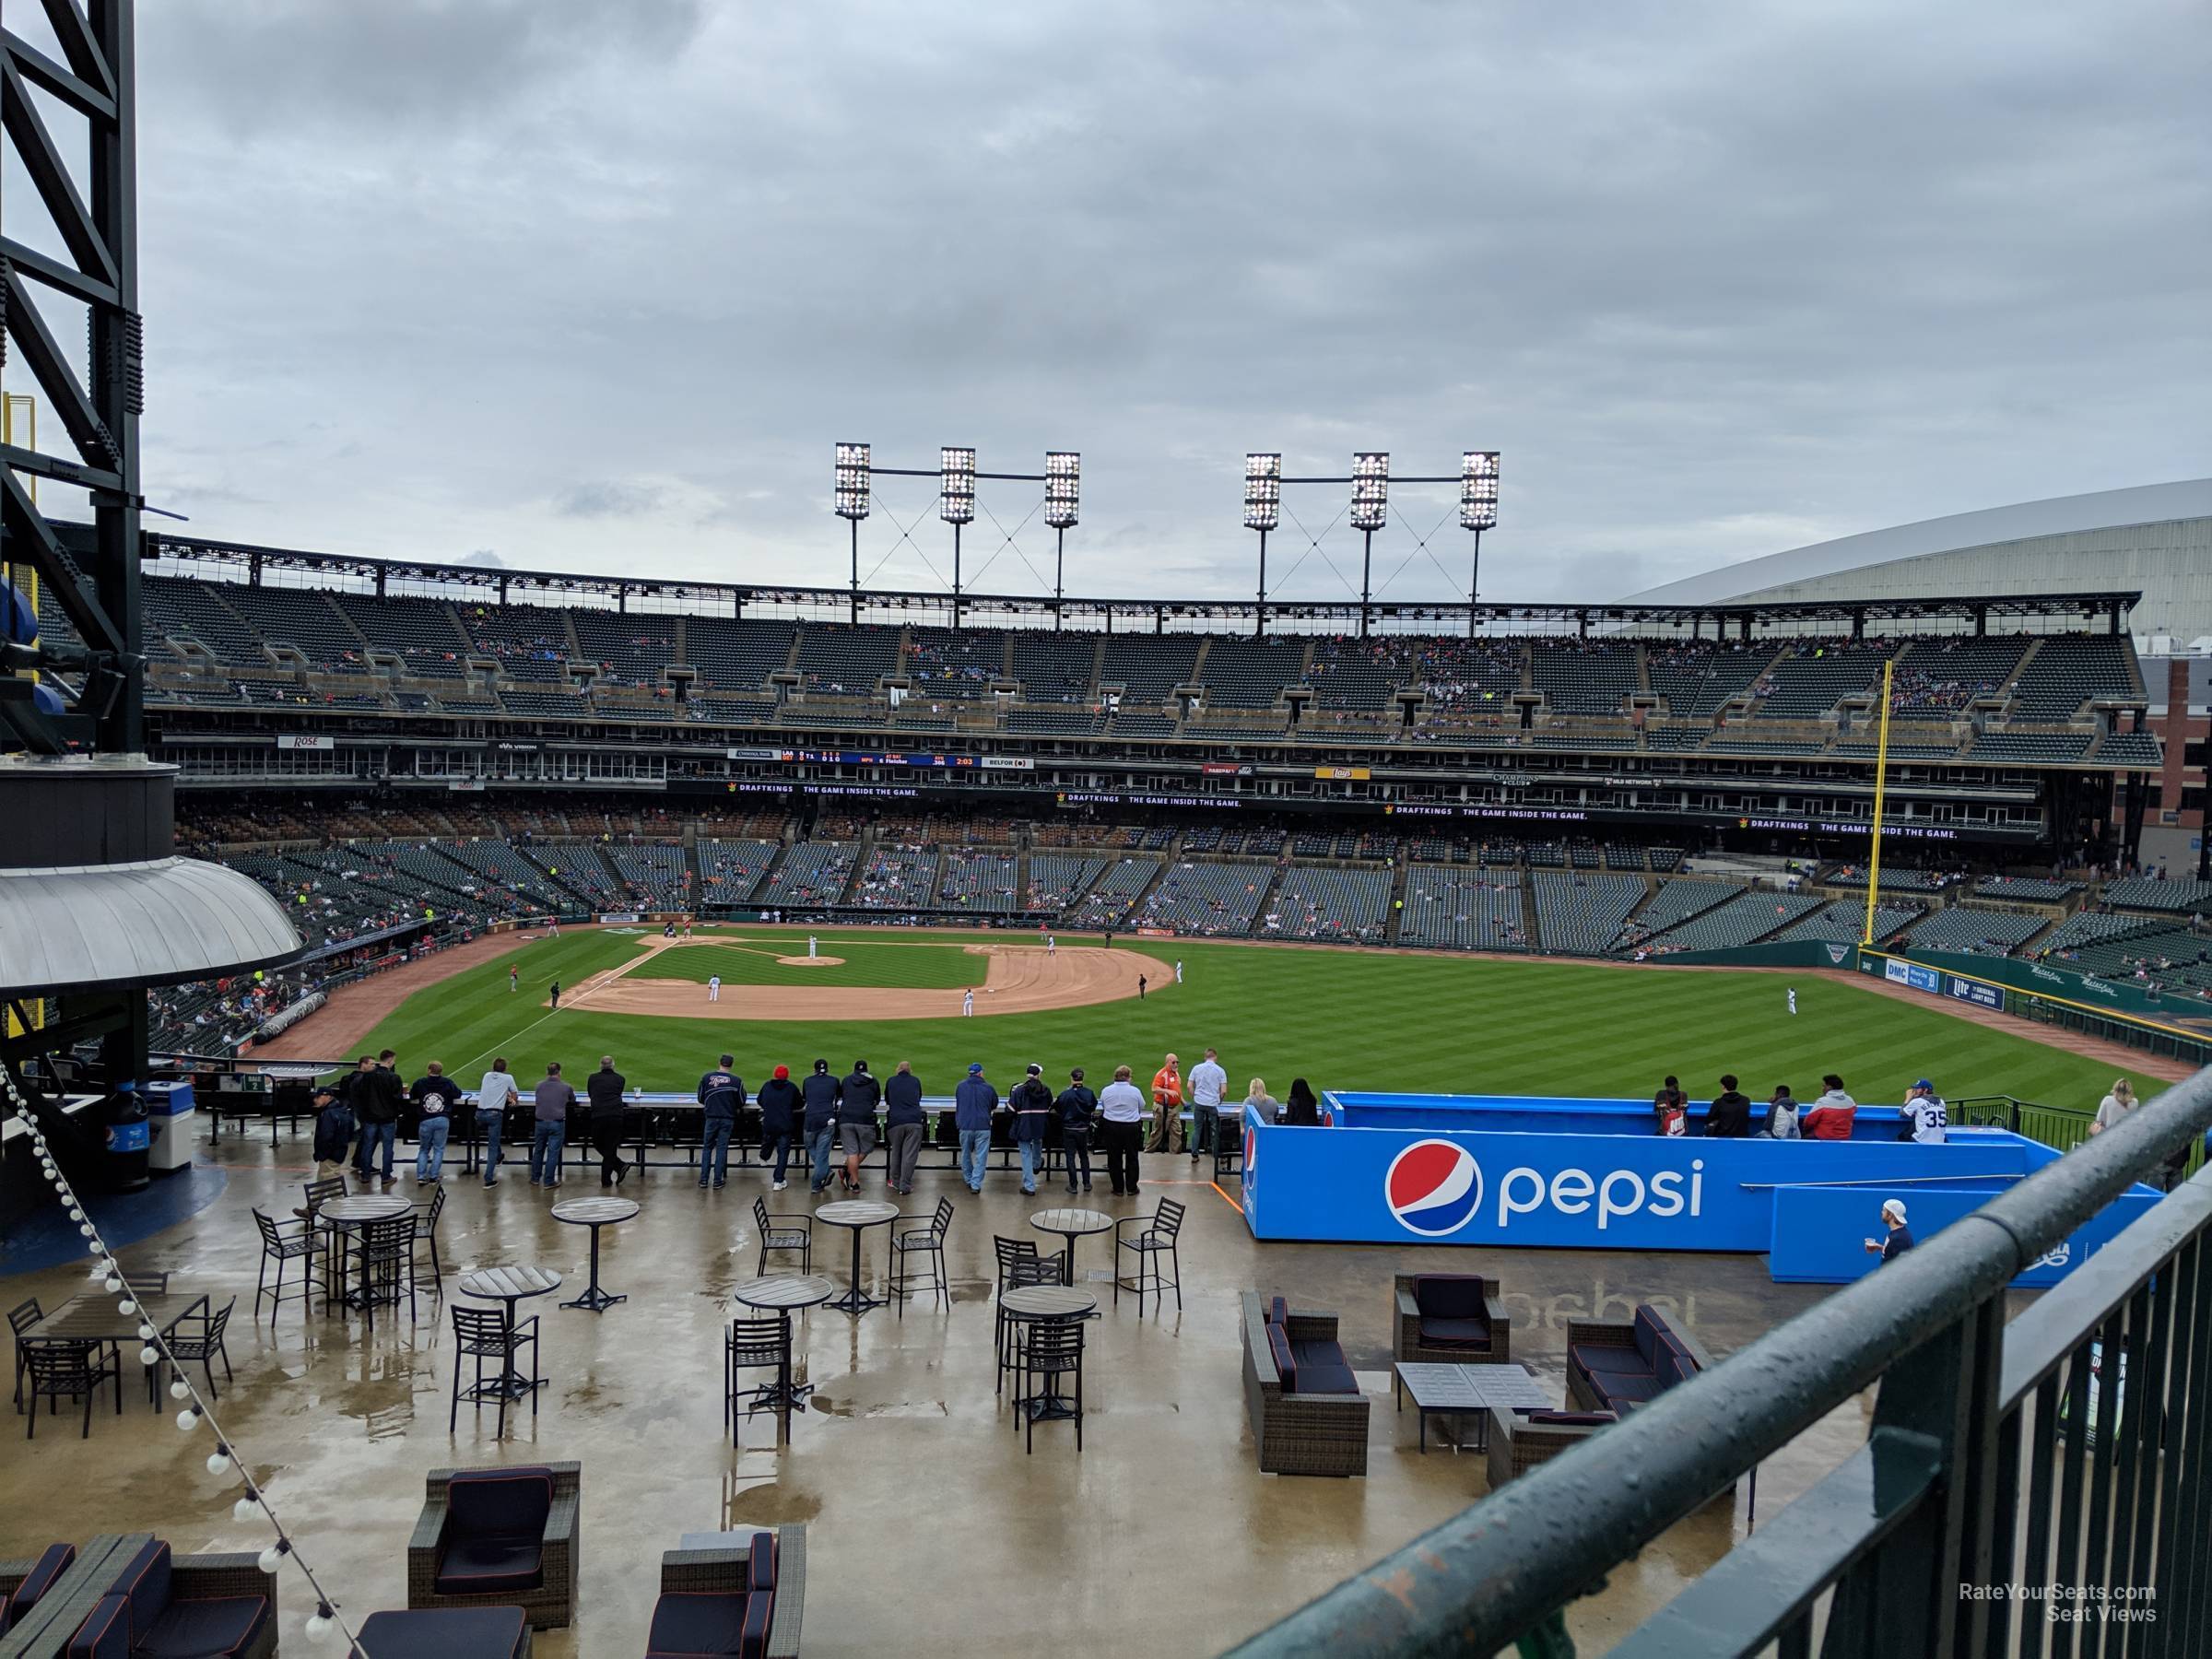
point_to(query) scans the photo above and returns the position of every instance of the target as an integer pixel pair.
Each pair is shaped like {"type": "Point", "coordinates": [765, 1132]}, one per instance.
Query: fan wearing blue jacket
{"type": "Point", "coordinates": [721, 1093]}
{"type": "Point", "coordinates": [821, 1091]}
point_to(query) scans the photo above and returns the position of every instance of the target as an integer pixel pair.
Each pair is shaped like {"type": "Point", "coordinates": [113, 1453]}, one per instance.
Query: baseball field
{"type": "Point", "coordinates": [1341, 1019]}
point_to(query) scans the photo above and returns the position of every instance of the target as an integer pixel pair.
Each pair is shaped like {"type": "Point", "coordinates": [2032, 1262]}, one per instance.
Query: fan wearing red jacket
{"type": "Point", "coordinates": [1830, 1117]}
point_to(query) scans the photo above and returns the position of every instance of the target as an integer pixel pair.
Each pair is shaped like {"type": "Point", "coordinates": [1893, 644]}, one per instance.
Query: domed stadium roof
{"type": "Point", "coordinates": [2155, 537]}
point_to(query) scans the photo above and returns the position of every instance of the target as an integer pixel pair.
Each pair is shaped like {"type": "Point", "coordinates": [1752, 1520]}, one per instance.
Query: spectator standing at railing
{"type": "Point", "coordinates": [1122, 1108]}
{"type": "Point", "coordinates": [1209, 1083]}
{"type": "Point", "coordinates": [820, 1091]}
{"type": "Point", "coordinates": [1032, 1104]}
{"type": "Point", "coordinates": [550, 1107]}
{"type": "Point", "coordinates": [780, 1113]}
{"type": "Point", "coordinates": [858, 1096]}
{"type": "Point", "coordinates": [1167, 1108]}
{"type": "Point", "coordinates": [375, 1100]}
{"type": "Point", "coordinates": [604, 1091]}
{"type": "Point", "coordinates": [435, 1095]}
{"type": "Point", "coordinates": [494, 1094]}
{"type": "Point", "coordinates": [1077, 1106]}
{"type": "Point", "coordinates": [904, 1124]}
{"type": "Point", "coordinates": [721, 1093]}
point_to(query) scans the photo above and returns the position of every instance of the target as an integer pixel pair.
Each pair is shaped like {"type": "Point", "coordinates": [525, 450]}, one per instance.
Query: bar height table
{"type": "Point", "coordinates": [780, 1294]}
{"type": "Point", "coordinates": [859, 1214]}
{"type": "Point", "coordinates": [595, 1213]}
{"type": "Point", "coordinates": [1071, 1225]}
{"type": "Point", "coordinates": [509, 1285]}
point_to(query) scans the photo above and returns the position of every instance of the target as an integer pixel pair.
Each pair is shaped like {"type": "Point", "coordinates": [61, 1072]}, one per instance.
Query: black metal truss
{"type": "Point", "coordinates": [95, 584]}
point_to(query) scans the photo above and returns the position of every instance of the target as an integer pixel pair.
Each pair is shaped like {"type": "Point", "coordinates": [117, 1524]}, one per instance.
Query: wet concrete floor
{"type": "Point", "coordinates": [929, 1531]}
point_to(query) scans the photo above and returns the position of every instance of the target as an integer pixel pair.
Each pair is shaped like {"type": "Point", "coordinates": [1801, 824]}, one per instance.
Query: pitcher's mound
{"type": "Point", "coordinates": [812, 961]}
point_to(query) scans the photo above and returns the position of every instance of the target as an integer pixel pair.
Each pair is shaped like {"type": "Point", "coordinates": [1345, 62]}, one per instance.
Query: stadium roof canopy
{"type": "Point", "coordinates": [2028, 521]}
{"type": "Point", "coordinates": [241, 560]}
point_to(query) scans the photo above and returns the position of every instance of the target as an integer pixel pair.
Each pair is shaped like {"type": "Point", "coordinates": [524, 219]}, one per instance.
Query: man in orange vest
{"type": "Point", "coordinates": [1167, 1109]}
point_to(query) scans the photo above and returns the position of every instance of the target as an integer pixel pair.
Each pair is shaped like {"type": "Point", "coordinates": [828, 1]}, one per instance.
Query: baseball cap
{"type": "Point", "coordinates": [860, 1068]}
{"type": "Point", "coordinates": [821, 1065]}
{"type": "Point", "coordinates": [1894, 1206]}
{"type": "Point", "coordinates": [1924, 1083]}
{"type": "Point", "coordinates": [783, 1072]}
{"type": "Point", "coordinates": [1036, 1070]}
{"type": "Point", "coordinates": [975, 1068]}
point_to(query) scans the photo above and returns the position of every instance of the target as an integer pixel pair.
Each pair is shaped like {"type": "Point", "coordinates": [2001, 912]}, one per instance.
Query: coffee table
{"type": "Point", "coordinates": [1071, 1225]}
{"type": "Point", "coordinates": [594, 1213]}
{"type": "Point", "coordinates": [1445, 1390]}
{"type": "Point", "coordinates": [859, 1214]}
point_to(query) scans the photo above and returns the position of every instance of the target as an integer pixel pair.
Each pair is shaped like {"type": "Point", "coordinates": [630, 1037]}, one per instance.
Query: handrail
{"type": "Point", "coordinates": [1503, 1566]}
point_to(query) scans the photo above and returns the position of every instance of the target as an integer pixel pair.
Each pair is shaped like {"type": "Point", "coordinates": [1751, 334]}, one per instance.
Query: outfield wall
{"type": "Point", "coordinates": [1545, 1173]}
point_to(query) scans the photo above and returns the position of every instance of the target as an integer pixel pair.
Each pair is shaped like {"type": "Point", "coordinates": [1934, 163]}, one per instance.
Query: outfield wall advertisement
{"type": "Point", "coordinates": [1590, 1174]}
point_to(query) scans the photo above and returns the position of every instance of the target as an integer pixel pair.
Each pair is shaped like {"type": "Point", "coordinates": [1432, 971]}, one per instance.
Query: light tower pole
{"type": "Point", "coordinates": [1262, 511]}
{"type": "Point", "coordinates": [1477, 511]}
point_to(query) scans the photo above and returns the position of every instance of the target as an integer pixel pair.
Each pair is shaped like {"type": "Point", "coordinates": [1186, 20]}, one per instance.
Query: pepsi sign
{"type": "Point", "coordinates": [1433, 1187]}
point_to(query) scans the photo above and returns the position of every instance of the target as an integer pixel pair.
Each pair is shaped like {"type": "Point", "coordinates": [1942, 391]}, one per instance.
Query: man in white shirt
{"type": "Point", "coordinates": [494, 1094]}
{"type": "Point", "coordinates": [714, 987]}
{"type": "Point", "coordinates": [1925, 1110]}
{"type": "Point", "coordinates": [1207, 1084]}
{"type": "Point", "coordinates": [1122, 1105]}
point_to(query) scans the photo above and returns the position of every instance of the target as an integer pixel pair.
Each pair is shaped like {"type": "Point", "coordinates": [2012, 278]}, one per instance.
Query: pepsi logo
{"type": "Point", "coordinates": [1433, 1187]}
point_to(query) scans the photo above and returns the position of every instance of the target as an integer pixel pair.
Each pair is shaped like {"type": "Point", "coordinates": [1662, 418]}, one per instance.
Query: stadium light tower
{"type": "Point", "coordinates": [1477, 511]}
{"type": "Point", "coordinates": [1262, 511]}
{"type": "Point", "coordinates": [1063, 497]}
{"type": "Point", "coordinates": [956, 506]}
{"type": "Point", "coordinates": [1370, 511]}
{"type": "Point", "coordinates": [851, 501]}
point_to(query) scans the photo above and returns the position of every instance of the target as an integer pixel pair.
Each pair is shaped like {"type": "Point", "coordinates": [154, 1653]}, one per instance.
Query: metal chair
{"type": "Point", "coordinates": [775, 1239]}
{"type": "Point", "coordinates": [1156, 1240]}
{"type": "Point", "coordinates": [279, 1246]}
{"type": "Point", "coordinates": [482, 1334]}
{"type": "Point", "coordinates": [20, 1318]}
{"type": "Point", "coordinates": [758, 1343]}
{"type": "Point", "coordinates": [389, 1247]}
{"type": "Point", "coordinates": [205, 1343]}
{"type": "Point", "coordinates": [426, 1233]}
{"type": "Point", "coordinates": [149, 1283]}
{"type": "Point", "coordinates": [59, 1369]}
{"type": "Point", "coordinates": [927, 1241]}
{"type": "Point", "coordinates": [1019, 1264]}
{"type": "Point", "coordinates": [1053, 1350]}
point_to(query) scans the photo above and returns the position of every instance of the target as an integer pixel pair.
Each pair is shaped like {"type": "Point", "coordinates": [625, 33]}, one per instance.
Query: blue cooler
{"type": "Point", "coordinates": [171, 1119]}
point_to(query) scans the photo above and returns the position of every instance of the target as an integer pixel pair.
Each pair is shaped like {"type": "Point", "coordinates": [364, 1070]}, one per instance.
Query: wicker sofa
{"type": "Point", "coordinates": [512, 1536]}
{"type": "Point", "coordinates": [127, 1593]}
{"type": "Point", "coordinates": [1449, 1319]}
{"type": "Point", "coordinates": [730, 1584]}
{"type": "Point", "coordinates": [1320, 1431]}
{"type": "Point", "coordinates": [1522, 1438]}
{"type": "Point", "coordinates": [1617, 1367]}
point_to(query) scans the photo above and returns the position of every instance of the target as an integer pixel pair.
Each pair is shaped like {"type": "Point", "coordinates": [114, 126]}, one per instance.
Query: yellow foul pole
{"type": "Point", "coordinates": [1881, 777]}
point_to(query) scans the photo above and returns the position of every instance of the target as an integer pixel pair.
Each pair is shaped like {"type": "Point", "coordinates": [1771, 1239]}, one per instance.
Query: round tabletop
{"type": "Point", "coordinates": [507, 1283]}
{"type": "Point", "coordinates": [1047, 1302]}
{"type": "Point", "coordinates": [1071, 1222]}
{"type": "Point", "coordinates": [784, 1290]}
{"type": "Point", "coordinates": [350, 1212]}
{"type": "Point", "coordinates": [595, 1212]}
{"type": "Point", "coordinates": [857, 1212]}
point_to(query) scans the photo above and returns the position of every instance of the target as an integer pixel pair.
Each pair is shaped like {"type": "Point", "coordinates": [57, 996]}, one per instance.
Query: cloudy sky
{"type": "Point", "coordinates": [586, 285]}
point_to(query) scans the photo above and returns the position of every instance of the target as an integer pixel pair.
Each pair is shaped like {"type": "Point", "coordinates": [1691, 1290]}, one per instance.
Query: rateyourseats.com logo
{"type": "Point", "coordinates": [1435, 1187]}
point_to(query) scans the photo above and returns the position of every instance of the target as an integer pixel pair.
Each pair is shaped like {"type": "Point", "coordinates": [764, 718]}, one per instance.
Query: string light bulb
{"type": "Point", "coordinates": [248, 1507]}
{"type": "Point", "coordinates": [273, 1556]}
{"type": "Point", "coordinates": [179, 1390]}
{"type": "Point", "coordinates": [219, 1461]}
{"type": "Point", "coordinates": [320, 1623]}
{"type": "Point", "coordinates": [187, 1419]}
{"type": "Point", "coordinates": [149, 1355]}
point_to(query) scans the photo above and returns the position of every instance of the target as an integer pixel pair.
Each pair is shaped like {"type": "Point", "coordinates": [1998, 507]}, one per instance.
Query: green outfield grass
{"type": "Point", "coordinates": [749, 958]}
{"type": "Point", "coordinates": [1343, 1020]}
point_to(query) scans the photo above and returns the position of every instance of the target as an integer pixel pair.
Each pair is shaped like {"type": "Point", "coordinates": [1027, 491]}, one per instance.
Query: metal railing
{"type": "Point", "coordinates": [2054, 1465]}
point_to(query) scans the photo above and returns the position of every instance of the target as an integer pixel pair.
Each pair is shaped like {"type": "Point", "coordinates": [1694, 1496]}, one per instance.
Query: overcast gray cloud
{"type": "Point", "coordinates": [588, 286]}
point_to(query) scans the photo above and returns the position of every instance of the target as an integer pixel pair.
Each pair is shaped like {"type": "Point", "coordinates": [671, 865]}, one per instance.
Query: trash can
{"type": "Point", "coordinates": [128, 1136]}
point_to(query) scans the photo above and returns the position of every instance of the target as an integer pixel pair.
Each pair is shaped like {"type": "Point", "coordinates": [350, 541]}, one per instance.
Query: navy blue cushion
{"type": "Point", "coordinates": [1621, 1391]}
{"type": "Point", "coordinates": [761, 1563]}
{"type": "Point", "coordinates": [445, 1633]}
{"type": "Point", "coordinates": [1322, 1370]}
{"type": "Point", "coordinates": [1606, 1359]}
{"type": "Point", "coordinates": [499, 1502]}
{"type": "Point", "coordinates": [205, 1630]}
{"type": "Point", "coordinates": [1646, 1328]}
{"type": "Point", "coordinates": [1571, 1418]}
{"type": "Point", "coordinates": [144, 1579]}
{"type": "Point", "coordinates": [51, 1565]}
{"type": "Point", "coordinates": [1449, 1295]}
{"type": "Point", "coordinates": [758, 1611]}
{"type": "Point", "coordinates": [1278, 1311]}
{"type": "Point", "coordinates": [1455, 1332]}
{"type": "Point", "coordinates": [691, 1624]}
{"type": "Point", "coordinates": [106, 1632]}
{"type": "Point", "coordinates": [1286, 1363]}
{"type": "Point", "coordinates": [490, 1566]}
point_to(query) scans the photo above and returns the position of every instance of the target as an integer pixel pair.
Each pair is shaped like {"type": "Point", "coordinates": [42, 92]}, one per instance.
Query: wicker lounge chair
{"type": "Point", "coordinates": [1308, 1417]}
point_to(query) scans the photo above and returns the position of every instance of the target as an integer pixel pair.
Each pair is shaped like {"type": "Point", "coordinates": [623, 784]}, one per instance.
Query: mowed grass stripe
{"type": "Point", "coordinates": [1341, 1020]}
